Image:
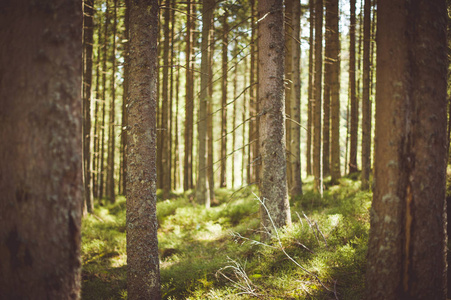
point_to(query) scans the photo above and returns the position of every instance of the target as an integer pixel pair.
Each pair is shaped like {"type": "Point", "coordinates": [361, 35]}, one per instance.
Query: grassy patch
{"type": "Point", "coordinates": [216, 253]}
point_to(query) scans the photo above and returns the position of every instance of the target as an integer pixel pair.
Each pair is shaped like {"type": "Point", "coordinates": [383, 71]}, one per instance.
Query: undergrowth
{"type": "Point", "coordinates": [217, 253]}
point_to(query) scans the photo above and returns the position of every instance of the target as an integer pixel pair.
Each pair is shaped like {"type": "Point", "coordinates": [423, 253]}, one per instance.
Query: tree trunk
{"type": "Point", "coordinates": [328, 61]}
{"type": "Point", "coordinates": [406, 250]}
{"type": "Point", "coordinates": [88, 40]}
{"type": "Point", "coordinates": [253, 105]}
{"type": "Point", "coordinates": [296, 188]}
{"type": "Point", "coordinates": [273, 182]}
{"type": "Point", "coordinates": [310, 88]}
{"type": "Point", "coordinates": [318, 186]}
{"type": "Point", "coordinates": [96, 140]}
{"type": "Point", "coordinates": [41, 169]}
{"type": "Point", "coordinates": [142, 244]}
{"type": "Point", "coordinates": [288, 86]}
{"type": "Point", "coordinates": [366, 104]}
{"type": "Point", "coordinates": [189, 98]}
{"type": "Point", "coordinates": [210, 159]}
{"type": "Point", "coordinates": [202, 191]}
{"type": "Point", "coordinates": [225, 44]}
{"type": "Point", "coordinates": [123, 182]}
{"type": "Point", "coordinates": [165, 175]}
{"type": "Point", "coordinates": [333, 12]}
{"type": "Point", "coordinates": [352, 91]}
{"type": "Point", "coordinates": [111, 194]}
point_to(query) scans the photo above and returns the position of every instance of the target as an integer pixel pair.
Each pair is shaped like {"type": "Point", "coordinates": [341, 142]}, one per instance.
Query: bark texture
{"type": "Point", "coordinates": [406, 251]}
{"type": "Point", "coordinates": [334, 90]}
{"type": "Point", "coordinates": [352, 92]}
{"type": "Point", "coordinates": [366, 104]}
{"type": "Point", "coordinates": [41, 149]}
{"type": "Point", "coordinates": [318, 186]}
{"type": "Point", "coordinates": [143, 274]}
{"type": "Point", "coordinates": [202, 191]}
{"type": "Point", "coordinates": [273, 180]}
{"type": "Point", "coordinates": [310, 88]}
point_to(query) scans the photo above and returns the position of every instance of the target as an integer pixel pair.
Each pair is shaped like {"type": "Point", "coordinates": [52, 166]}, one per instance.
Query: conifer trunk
{"type": "Point", "coordinates": [352, 92]}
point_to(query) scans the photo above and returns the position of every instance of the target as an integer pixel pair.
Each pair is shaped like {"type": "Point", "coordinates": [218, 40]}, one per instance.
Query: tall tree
{"type": "Point", "coordinates": [210, 159]}
{"type": "Point", "coordinates": [110, 191]}
{"type": "Point", "coordinates": [310, 87]}
{"type": "Point", "coordinates": [296, 188]}
{"type": "Point", "coordinates": [317, 96]}
{"type": "Point", "coordinates": [224, 88]}
{"type": "Point", "coordinates": [366, 104]}
{"type": "Point", "coordinates": [352, 92]}
{"type": "Point", "coordinates": [273, 180]}
{"type": "Point", "coordinates": [143, 271]}
{"type": "Point", "coordinates": [189, 99]}
{"type": "Point", "coordinates": [288, 85]}
{"type": "Point", "coordinates": [41, 154]}
{"type": "Point", "coordinates": [123, 182]}
{"type": "Point", "coordinates": [328, 61]}
{"type": "Point", "coordinates": [406, 250]}
{"type": "Point", "coordinates": [334, 59]}
{"type": "Point", "coordinates": [88, 41]}
{"type": "Point", "coordinates": [165, 171]}
{"type": "Point", "coordinates": [202, 191]}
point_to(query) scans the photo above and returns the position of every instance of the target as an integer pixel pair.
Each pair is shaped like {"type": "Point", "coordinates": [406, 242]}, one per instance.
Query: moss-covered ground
{"type": "Point", "coordinates": [217, 253]}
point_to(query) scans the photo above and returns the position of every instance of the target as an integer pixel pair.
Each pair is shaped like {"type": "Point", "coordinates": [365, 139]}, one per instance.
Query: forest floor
{"type": "Point", "coordinates": [217, 253]}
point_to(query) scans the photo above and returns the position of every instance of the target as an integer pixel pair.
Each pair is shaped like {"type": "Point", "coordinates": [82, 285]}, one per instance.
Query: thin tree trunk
{"type": "Point", "coordinates": [328, 61]}
{"type": "Point", "coordinates": [407, 242]}
{"type": "Point", "coordinates": [41, 169]}
{"type": "Point", "coordinates": [253, 104]}
{"type": "Point", "coordinates": [88, 41]}
{"type": "Point", "coordinates": [143, 271]}
{"type": "Point", "coordinates": [244, 115]}
{"type": "Point", "coordinates": [123, 181]}
{"type": "Point", "coordinates": [296, 188]}
{"type": "Point", "coordinates": [202, 191]}
{"type": "Point", "coordinates": [235, 95]}
{"type": "Point", "coordinates": [210, 159]}
{"type": "Point", "coordinates": [366, 105]}
{"type": "Point", "coordinates": [273, 184]}
{"type": "Point", "coordinates": [288, 86]}
{"type": "Point", "coordinates": [112, 136]}
{"type": "Point", "coordinates": [189, 105]}
{"type": "Point", "coordinates": [96, 140]}
{"type": "Point", "coordinates": [225, 43]}
{"type": "Point", "coordinates": [335, 90]}
{"type": "Point", "coordinates": [310, 88]}
{"type": "Point", "coordinates": [318, 186]}
{"type": "Point", "coordinates": [352, 91]}
{"type": "Point", "coordinates": [165, 175]}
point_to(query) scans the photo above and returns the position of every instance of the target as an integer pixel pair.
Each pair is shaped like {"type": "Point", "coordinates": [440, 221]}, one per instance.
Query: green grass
{"type": "Point", "coordinates": [216, 253]}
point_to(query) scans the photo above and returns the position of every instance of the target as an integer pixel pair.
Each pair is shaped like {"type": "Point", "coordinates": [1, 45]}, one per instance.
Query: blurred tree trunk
{"type": "Point", "coordinates": [310, 87]}
{"type": "Point", "coordinates": [123, 172]}
{"type": "Point", "coordinates": [288, 86]}
{"type": "Point", "coordinates": [165, 175]}
{"type": "Point", "coordinates": [88, 41]}
{"type": "Point", "coordinates": [210, 160]}
{"type": "Point", "coordinates": [273, 182]}
{"type": "Point", "coordinates": [318, 186]}
{"type": "Point", "coordinates": [189, 98]}
{"type": "Point", "coordinates": [333, 12]}
{"type": "Point", "coordinates": [143, 271]}
{"type": "Point", "coordinates": [41, 169]}
{"type": "Point", "coordinates": [296, 188]}
{"type": "Point", "coordinates": [407, 243]}
{"type": "Point", "coordinates": [328, 62]}
{"type": "Point", "coordinates": [352, 91]}
{"type": "Point", "coordinates": [111, 194]}
{"type": "Point", "coordinates": [224, 88]}
{"type": "Point", "coordinates": [366, 104]}
{"type": "Point", "coordinates": [235, 96]}
{"type": "Point", "coordinates": [202, 190]}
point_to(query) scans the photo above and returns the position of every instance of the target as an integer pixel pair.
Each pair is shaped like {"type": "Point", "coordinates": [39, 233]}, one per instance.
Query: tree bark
{"type": "Point", "coordinates": [296, 188]}
{"type": "Point", "coordinates": [202, 190]}
{"type": "Point", "coordinates": [352, 91]}
{"type": "Point", "coordinates": [328, 61]}
{"type": "Point", "coordinates": [310, 88]}
{"type": "Point", "coordinates": [41, 169]}
{"type": "Point", "coordinates": [273, 182]}
{"type": "Point", "coordinates": [111, 194]}
{"type": "Point", "coordinates": [88, 41]}
{"type": "Point", "coordinates": [288, 86]}
{"type": "Point", "coordinates": [224, 88]}
{"type": "Point", "coordinates": [366, 104]}
{"type": "Point", "coordinates": [334, 90]}
{"type": "Point", "coordinates": [318, 186]}
{"type": "Point", "coordinates": [407, 243]}
{"type": "Point", "coordinates": [165, 175]}
{"type": "Point", "coordinates": [143, 274]}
